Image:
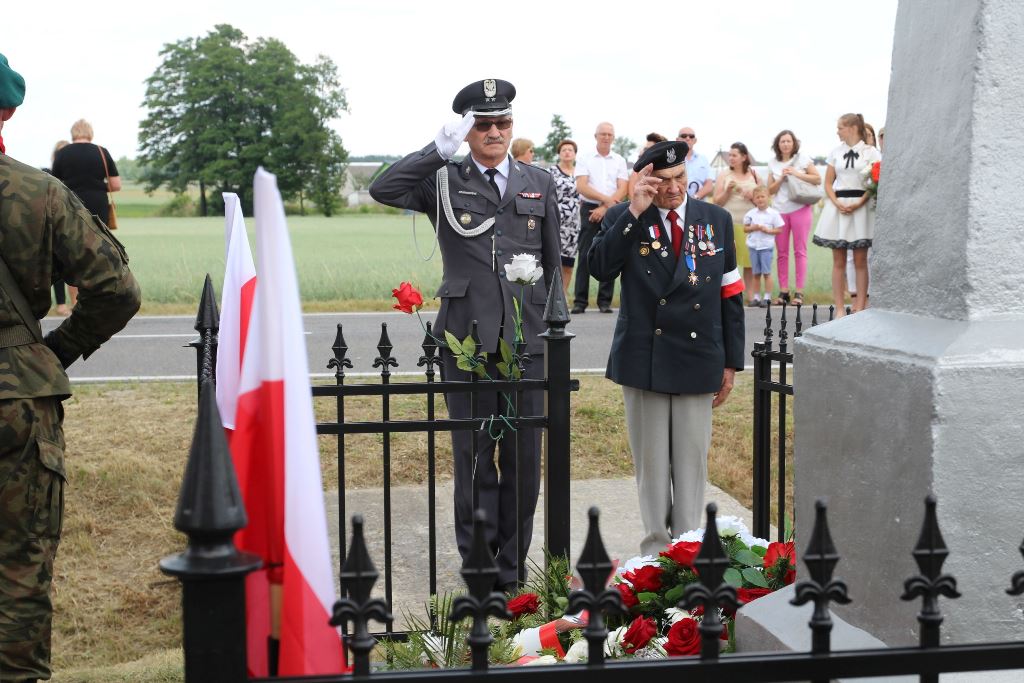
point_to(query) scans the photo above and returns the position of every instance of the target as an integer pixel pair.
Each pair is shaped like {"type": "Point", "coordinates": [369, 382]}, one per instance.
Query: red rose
{"type": "Point", "coordinates": [639, 634]}
{"type": "Point", "coordinates": [527, 603]}
{"type": "Point", "coordinates": [683, 639]}
{"type": "Point", "coordinates": [409, 298]}
{"type": "Point", "coordinates": [646, 579]}
{"type": "Point", "coordinates": [748, 595]}
{"type": "Point", "coordinates": [628, 596]}
{"type": "Point", "coordinates": [683, 553]}
{"type": "Point", "coordinates": [781, 556]}
{"type": "Point", "coordinates": [876, 170]}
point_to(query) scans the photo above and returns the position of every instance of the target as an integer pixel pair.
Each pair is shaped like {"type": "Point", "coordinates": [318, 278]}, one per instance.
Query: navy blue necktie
{"type": "Point", "coordinates": [491, 172]}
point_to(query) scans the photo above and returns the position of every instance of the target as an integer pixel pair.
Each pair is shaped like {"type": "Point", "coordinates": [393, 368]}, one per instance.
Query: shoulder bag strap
{"type": "Point", "coordinates": [106, 172]}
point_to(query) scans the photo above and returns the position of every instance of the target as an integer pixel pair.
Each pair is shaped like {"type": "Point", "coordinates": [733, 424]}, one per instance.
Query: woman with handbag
{"type": "Point", "coordinates": [734, 192]}
{"type": "Point", "coordinates": [88, 170]}
{"type": "Point", "coordinates": [848, 219]}
{"type": "Point", "coordinates": [796, 186]}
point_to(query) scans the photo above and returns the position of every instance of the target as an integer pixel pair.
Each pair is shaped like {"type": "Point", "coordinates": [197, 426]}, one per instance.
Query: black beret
{"type": "Point", "coordinates": [663, 155]}
{"type": "Point", "coordinates": [489, 97]}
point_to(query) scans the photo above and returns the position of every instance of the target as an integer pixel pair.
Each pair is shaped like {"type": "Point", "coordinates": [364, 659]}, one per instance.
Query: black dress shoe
{"type": "Point", "coordinates": [578, 310]}
{"type": "Point", "coordinates": [606, 309]}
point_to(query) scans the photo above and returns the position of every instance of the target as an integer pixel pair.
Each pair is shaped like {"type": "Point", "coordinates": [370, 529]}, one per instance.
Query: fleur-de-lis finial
{"type": "Point", "coordinates": [340, 360]}
{"type": "Point", "coordinates": [358, 576]}
{"type": "Point", "coordinates": [594, 567]}
{"type": "Point", "coordinates": [479, 572]}
{"type": "Point", "coordinates": [821, 559]}
{"type": "Point", "coordinates": [930, 554]}
{"type": "Point", "coordinates": [384, 361]}
{"type": "Point", "coordinates": [712, 591]}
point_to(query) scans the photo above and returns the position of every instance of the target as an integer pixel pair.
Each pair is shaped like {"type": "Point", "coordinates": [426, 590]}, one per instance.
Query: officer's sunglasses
{"type": "Point", "coordinates": [485, 125]}
{"type": "Point", "coordinates": [686, 136]}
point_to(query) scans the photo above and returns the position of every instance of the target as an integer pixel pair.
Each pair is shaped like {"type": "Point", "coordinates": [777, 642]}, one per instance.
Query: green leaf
{"type": "Point", "coordinates": [562, 602]}
{"type": "Point", "coordinates": [516, 372]}
{"type": "Point", "coordinates": [673, 595]}
{"type": "Point", "coordinates": [469, 346]}
{"type": "Point", "coordinates": [506, 351]}
{"type": "Point", "coordinates": [748, 558]}
{"type": "Point", "coordinates": [644, 598]}
{"type": "Point", "coordinates": [503, 369]}
{"type": "Point", "coordinates": [759, 550]}
{"type": "Point", "coordinates": [733, 577]}
{"type": "Point", "coordinates": [464, 363]}
{"type": "Point", "coordinates": [480, 371]}
{"type": "Point", "coordinates": [751, 575]}
{"type": "Point", "coordinates": [453, 343]}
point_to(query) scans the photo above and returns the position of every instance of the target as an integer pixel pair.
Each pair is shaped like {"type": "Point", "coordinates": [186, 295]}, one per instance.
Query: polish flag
{"type": "Point", "coordinates": [278, 464]}
{"type": "Point", "coordinates": [235, 309]}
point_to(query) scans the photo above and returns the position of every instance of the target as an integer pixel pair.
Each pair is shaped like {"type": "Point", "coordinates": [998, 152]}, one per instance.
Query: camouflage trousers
{"type": "Point", "coordinates": [31, 512]}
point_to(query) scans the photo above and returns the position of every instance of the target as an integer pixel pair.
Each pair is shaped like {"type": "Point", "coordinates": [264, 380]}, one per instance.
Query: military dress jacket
{"type": "Point", "coordinates": [474, 286]}
{"type": "Point", "coordinates": [46, 234]}
{"type": "Point", "coordinates": [675, 333]}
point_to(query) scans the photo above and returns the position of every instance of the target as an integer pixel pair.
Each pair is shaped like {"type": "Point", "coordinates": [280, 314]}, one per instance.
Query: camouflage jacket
{"type": "Point", "coordinates": [46, 234]}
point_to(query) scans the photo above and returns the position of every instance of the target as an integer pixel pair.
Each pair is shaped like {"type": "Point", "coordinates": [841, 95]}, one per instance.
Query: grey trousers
{"type": "Point", "coordinates": [669, 436]}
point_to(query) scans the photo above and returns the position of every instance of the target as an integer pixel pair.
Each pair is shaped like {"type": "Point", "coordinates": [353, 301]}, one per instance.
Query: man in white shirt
{"type": "Point", "coordinates": [698, 169]}
{"type": "Point", "coordinates": [601, 180]}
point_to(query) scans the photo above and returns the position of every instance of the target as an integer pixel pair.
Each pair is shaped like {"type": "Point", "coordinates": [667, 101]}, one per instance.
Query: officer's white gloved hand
{"type": "Point", "coordinates": [452, 135]}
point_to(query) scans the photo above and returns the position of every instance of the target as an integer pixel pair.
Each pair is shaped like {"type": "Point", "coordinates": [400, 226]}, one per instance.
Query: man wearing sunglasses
{"type": "Point", "coordinates": [485, 209]}
{"type": "Point", "coordinates": [698, 170]}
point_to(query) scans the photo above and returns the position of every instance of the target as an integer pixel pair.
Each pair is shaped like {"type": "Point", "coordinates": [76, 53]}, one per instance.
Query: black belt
{"type": "Point", "coordinates": [583, 202]}
{"type": "Point", "coordinates": [849, 193]}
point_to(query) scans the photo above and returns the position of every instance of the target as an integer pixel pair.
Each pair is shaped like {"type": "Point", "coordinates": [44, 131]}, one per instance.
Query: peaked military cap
{"type": "Point", "coordinates": [12, 86]}
{"type": "Point", "coordinates": [663, 155]}
{"type": "Point", "coordinates": [489, 97]}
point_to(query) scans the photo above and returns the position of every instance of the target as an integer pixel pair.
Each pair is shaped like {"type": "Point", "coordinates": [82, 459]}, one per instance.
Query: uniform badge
{"type": "Point", "coordinates": [693, 278]}
{"type": "Point", "coordinates": [703, 246]}
{"type": "Point", "coordinates": [656, 244]}
{"type": "Point", "coordinates": [465, 218]}
{"type": "Point", "coordinates": [664, 253]}
{"type": "Point", "coordinates": [490, 87]}
{"type": "Point", "coordinates": [645, 250]}
{"type": "Point", "coordinates": [670, 155]}
{"type": "Point", "coordinates": [531, 223]}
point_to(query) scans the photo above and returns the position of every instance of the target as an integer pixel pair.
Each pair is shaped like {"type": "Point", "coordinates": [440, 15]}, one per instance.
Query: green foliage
{"type": "Point", "coordinates": [559, 131]}
{"type": "Point", "coordinates": [623, 146]}
{"type": "Point", "coordinates": [180, 206]}
{"type": "Point", "coordinates": [219, 106]}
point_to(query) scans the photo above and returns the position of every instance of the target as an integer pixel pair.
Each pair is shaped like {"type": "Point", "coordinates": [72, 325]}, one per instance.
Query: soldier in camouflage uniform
{"type": "Point", "coordinates": [45, 235]}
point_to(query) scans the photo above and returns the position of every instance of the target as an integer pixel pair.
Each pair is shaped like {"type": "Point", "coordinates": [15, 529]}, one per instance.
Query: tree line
{"type": "Point", "coordinates": [220, 105]}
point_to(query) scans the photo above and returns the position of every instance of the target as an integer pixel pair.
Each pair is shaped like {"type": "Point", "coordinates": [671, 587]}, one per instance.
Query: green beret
{"type": "Point", "coordinates": [12, 86]}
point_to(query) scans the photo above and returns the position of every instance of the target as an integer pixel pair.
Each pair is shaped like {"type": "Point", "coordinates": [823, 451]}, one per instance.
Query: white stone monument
{"type": "Point", "coordinates": [924, 391]}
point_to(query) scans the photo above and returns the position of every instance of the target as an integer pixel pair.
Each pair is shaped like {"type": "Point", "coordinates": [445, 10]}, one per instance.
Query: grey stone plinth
{"type": "Point", "coordinates": [891, 407]}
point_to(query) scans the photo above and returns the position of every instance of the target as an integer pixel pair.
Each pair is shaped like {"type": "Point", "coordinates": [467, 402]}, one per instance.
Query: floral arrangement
{"type": "Point", "coordinates": [871, 173]}
{"type": "Point", "coordinates": [524, 271]}
{"type": "Point", "coordinates": [654, 626]}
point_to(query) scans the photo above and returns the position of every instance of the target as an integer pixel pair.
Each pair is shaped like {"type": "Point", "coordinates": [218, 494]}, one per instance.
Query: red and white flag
{"type": "Point", "coordinates": [235, 309]}
{"type": "Point", "coordinates": [277, 460]}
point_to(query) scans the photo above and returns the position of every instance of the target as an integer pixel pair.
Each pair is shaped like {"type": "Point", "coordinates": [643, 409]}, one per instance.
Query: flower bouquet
{"type": "Point", "coordinates": [870, 175]}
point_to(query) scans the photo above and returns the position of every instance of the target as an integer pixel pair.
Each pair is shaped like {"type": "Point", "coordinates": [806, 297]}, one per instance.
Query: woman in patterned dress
{"type": "Point", "coordinates": [564, 175]}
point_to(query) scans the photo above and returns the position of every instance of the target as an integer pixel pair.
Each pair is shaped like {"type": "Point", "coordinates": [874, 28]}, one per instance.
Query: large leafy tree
{"type": "Point", "coordinates": [559, 131]}
{"type": "Point", "coordinates": [220, 105]}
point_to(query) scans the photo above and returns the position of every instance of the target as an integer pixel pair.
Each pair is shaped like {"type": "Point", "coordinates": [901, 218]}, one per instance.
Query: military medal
{"type": "Point", "coordinates": [693, 278]}
{"type": "Point", "coordinates": [531, 223]}
{"type": "Point", "coordinates": [645, 250]}
{"type": "Point", "coordinates": [465, 218]}
{"type": "Point", "coordinates": [656, 244]}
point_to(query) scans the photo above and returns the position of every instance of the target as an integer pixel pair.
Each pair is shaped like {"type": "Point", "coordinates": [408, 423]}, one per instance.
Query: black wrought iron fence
{"type": "Point", "coordinates": [771, 376]}
{"type": "Point", "coordinates": [213, 572]}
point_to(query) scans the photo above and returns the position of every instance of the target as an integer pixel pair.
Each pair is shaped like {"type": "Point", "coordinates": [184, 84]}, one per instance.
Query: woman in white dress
{"type": "Point", "coordinates": [848, 219]}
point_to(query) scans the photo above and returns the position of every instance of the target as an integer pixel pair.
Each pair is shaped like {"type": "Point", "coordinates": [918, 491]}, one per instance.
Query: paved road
{"type": "Point", "coordinates": [153, 347]}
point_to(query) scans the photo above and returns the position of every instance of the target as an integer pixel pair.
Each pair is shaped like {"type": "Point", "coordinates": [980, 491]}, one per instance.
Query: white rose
{"type": "Point", "coordinates": [578, 652]}
{"type": "Point", "coordinates": [675, 614]}
{"type": "Point", "coordinates": [524, 269]}
{"type": "Point", "coordinates": [634, 563]}
{"type": "Point", "coordinates": [541, 661]}
{"type": "Point", "coordinates": [613, 644]}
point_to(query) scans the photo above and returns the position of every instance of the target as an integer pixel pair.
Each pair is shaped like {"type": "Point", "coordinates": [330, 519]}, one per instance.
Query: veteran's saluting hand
{"type": "Point", "coordinates": [644, 191]}
{"type": "Point", "coordinates": [452, 135]}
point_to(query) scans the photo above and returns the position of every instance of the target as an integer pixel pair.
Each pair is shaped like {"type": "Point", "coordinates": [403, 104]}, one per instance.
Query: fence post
{"type": "Point", "coordinates": [762, 482]}
{"type": "Point", "coordinates": [207, 325]}
{"type": "Point", "coordinates": [556, 407]}
{"type": "Point", "coordinates": [211, 570]}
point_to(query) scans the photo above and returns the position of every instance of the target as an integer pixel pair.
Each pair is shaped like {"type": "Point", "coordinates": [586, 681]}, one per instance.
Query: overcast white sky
{"type": "Point", "coordinates": [731, 69]}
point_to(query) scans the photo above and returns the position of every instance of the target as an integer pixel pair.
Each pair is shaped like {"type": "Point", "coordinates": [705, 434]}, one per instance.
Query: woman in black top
{"type": "Point", "coordinates": [80, 167]}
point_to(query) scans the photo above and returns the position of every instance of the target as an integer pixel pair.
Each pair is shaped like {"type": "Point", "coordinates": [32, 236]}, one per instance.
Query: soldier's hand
{"type": "Point", "coordinates": [452, 135]}
{"type": "Point", "coordinates": [728, 377]}
{"type": "Point", "coordinates": [644, 191]}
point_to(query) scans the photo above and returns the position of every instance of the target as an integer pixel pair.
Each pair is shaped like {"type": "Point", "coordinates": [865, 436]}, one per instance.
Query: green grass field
{"type": "Point", "coordinates": [347, 262]}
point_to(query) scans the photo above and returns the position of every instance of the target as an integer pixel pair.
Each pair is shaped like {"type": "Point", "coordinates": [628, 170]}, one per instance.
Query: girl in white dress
{"type": "Point", "coordinates": [848, 219]}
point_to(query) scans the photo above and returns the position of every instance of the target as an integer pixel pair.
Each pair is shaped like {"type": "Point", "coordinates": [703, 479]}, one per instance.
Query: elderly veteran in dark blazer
{"type": "Point", "coordinates": [485, 209]}
{"type": "Point", "coordinates": [679, 337]}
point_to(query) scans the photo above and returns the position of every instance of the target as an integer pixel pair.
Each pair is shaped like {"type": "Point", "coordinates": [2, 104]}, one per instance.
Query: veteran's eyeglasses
{"type": "Point", "coordinates": [485, 125]}
{"type": "Point", "coordinates": [685, 136]}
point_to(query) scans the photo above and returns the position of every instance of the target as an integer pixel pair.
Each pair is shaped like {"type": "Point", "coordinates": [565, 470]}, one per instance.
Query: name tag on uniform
{"type": "Point", "coordinates": [531, 195]}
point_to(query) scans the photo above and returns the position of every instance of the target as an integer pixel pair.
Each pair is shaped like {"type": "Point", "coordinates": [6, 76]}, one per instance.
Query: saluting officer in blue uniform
{"type": "Point", "coordinates": [679, 337]}
{"type": "Point", "coordinates": [485, 209]}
